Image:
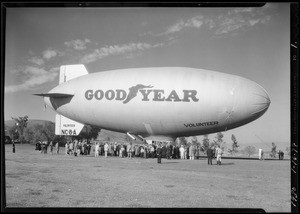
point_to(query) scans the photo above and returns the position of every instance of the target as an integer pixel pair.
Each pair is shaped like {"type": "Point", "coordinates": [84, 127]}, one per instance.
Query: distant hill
{"type": "Point", "coordinates": [104, 134]}
{"type": "Point", "coordinates": [11, 123]}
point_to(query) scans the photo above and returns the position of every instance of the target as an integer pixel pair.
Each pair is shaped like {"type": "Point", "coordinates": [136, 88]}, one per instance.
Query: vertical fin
{"type": "Point", "coordinates": [66, 126]}
{"type": "Point", "coordinates": [68, 72]}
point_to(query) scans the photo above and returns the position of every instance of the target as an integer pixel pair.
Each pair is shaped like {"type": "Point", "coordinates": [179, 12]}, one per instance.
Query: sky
{"type": "Point", "coordinates": [246, 41]}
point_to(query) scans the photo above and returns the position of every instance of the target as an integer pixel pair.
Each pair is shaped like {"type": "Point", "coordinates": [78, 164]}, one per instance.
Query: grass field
{"type": "Point", "coordinates": [44, 180]}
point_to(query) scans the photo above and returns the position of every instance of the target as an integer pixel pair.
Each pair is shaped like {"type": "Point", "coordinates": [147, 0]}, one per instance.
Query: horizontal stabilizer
{"type": "Point", "coordinates": [55, 95]}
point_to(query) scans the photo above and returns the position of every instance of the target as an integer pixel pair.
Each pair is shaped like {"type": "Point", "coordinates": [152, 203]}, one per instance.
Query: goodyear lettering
{"type": "Point", "coordinates": [121, 94]}
{"type": "Point", "coordinates": [212, 123]}
{"type": "Point", "coordinates": [68, 132]}
{"type": "Point", "coordinates": [158, 95]}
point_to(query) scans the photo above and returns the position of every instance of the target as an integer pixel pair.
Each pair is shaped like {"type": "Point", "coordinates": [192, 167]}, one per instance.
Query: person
{"type": "Point", "coordinates": [71, 148]}
{"type": "Point", "coordinates": [176, 153]}
{"type": "Point", "coordinates": [38, 146]}
{"type": "Point", "coordinates": [43, 147]}
{"type": "Point", "coordinates": [210, 155]}
{"type": "Point", "coordinates": [259, 154]}
{"type": "Point", "coordinates": [96, 150]}
{"type": "Point", "coordinates": [219, 153]}
{"type": "Point", "coordinates": [187, 152]}
{"type": "Point", "coordinates": [57, 147]}
{"type": "Point", "coordinates": [101, 149]}
{"type": "Point", "coordinates": [164, 151]}
{"type": "Point", "coordinates": [89, 148]}
{"type": "Point", "coordinates": [129, 150]}
{"type": "Point", "coordinates": [197, 152]}
{"type": "Point", "coordinates": [168, 151]}
{"type": "Point", "coordinates": [105, 149]}
{"type": "Point", "coordinates": [146, 152]}
{"type": "Point", "coordinates": [159, 154]}
{"type": "Point", "coordinates": [137, 151]}
{"type": "Point", "coordinates": [51, 147]}
{"type": "Point", "coordinates": [115, 149]}
{"type": "Point", "coordinates": [67, 148]}
{"type": "Point", "coordinates": [77, 150]}
{"type": "Point", "coordinates": [190, 152]}
{"type": "Point", "coordinates": [85, 148]}
{"type": "Point", "coordinates": [152, 151]}
{"type": "Point", "coordinates": [46, 147]}
{"type": "Point", "coordinates": [280, 155]}
{"type": "Point", "coordinates": [13, 147]}
{"type": "Point", "coordinates": [142, 151]}
{"type": "Point", "coordinates": [122, 151]}
{"type": "Point", "coordinates": [182, 153]}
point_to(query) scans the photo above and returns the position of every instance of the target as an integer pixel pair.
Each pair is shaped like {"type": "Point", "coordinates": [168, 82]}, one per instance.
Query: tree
{"type": "Point", "coordinates": [205, 143]}
{"type": "Point", "coordinates": [20, 125]}
{"type": "Point", "coordinates": [39, 133]}
{"type": "Point", "coordinates": [88, 132]}
{"type": "Point", "coordinates": [28, 134]}
{"type": "Point", "coordinates": [195, 141]}
{"type": "Point", "coordinates": [219, 140]}
{"type": "Point", "coordinates": [234, 145]}
{"type": "Point", "coordinates": [273, 151]}
{"type": "Point", "coordinates": [182, 141]}
{"type": "Point", "coordinates": [288, 150]}
{"type": "Point", "coordinates": [250, 150]}
{"type": "Point", "coordinates": [13, 132]}
{"type": "Point", "coordinates": [49, 131]}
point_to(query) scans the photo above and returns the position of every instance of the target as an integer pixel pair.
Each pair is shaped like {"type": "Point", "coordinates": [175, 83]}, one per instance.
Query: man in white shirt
{"type": "Point", "coordinates": [105, 149]}
{"type": "Point", "coordinates": [219, 153]}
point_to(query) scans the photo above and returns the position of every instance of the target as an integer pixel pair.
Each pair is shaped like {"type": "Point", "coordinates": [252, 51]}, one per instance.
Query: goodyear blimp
{"type": "Point", "coordinates": [157, 103]}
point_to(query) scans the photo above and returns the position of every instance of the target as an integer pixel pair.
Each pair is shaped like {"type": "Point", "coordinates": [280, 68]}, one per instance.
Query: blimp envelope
{"type": "Point", "coordinates": [66, 126]}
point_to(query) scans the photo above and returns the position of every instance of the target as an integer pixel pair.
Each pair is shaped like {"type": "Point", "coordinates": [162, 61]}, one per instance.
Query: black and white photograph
{"type": "Point", "coordinates": [117, 107]}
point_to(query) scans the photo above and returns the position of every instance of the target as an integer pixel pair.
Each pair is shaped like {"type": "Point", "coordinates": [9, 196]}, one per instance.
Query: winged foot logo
{"type": "Point", "coordinates": [154, 94]}
{"type": "Point", "coordinates": [133, 92]}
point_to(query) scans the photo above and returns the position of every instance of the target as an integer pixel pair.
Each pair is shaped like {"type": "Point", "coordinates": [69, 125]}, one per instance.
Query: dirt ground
{"type": "Point", "coordinates": [39, 180]}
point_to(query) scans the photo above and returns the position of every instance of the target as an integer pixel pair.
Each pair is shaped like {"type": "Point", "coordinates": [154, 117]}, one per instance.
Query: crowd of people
{"type": "Point", "coordinates": [43, 147]}
{"type": "Point", "coordinates": [77, 147]}
{"type": "Point", "coordinates": [129, 150]}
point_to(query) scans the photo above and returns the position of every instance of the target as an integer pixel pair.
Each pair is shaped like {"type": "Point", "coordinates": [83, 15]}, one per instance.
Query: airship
{"type": "Point", "coordinates": [154, 103]}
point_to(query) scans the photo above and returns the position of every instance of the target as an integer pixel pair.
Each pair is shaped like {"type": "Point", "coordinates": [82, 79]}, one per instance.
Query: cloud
{"type": "Point", "coordinates": [228, 23]}
{"type": "Point", "coordinates": [195, 22]}
{"type": "Point", "coordinates": [117, 50]}
{"type": "Point", "coordinates": [49, 53]}
{"type": "Point", "coordinates": [35, 72]}
{"type": "Point", "coordinates": [77, 44]}
{"type": "Point", "coordinates": [33, 76]}
{"type": "Point", "coordinates": [36, 60]}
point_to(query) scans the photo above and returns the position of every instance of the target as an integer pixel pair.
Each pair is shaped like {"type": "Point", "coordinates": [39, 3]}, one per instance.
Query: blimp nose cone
{"type": "Point", "coordinates": [260, 101]}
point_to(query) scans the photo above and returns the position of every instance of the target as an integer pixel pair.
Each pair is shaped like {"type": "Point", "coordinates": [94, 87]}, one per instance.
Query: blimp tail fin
{"type": "Point", "coordinates": [68, 72]}
{"type": "Point", "coordinates": [66, 126]}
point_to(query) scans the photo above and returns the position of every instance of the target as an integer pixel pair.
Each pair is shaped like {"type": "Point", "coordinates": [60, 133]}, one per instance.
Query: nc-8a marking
{"type": "Point", "coordinates": [68, 132]}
